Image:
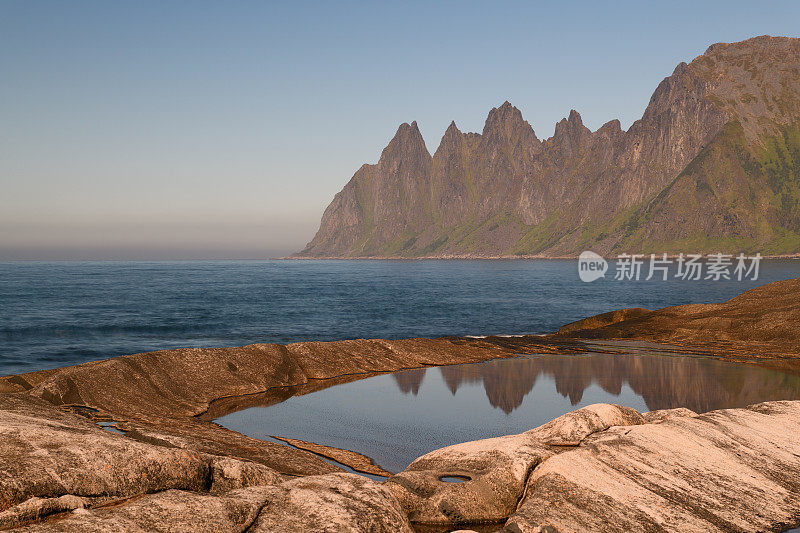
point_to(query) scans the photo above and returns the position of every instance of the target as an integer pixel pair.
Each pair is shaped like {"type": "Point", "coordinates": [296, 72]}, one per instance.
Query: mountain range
{"type": "Point", "coordinates": [713, 165]}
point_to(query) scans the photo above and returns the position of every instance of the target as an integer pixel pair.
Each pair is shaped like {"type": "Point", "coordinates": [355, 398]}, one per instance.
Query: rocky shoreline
{"type": "Point", "coordinates": [603, 467]}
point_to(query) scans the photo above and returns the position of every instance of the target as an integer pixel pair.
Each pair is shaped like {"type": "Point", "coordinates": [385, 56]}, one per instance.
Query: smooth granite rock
{"type": "Point", "coordinates": [602, 467]}
{"type": "Point", "coordinates": [493, 472]}
{"type": "Point", "coordinates": [570, 429]}
{"type": "Point", "coordinates": [51, 453]}
{"type": "Point", "coordinates": [666, 414]}
{"type": "Point", "coordinates": [333, 503]}
{"type": "Point", "coordinates": [164, 397]}
{"type": "Point", "coordinates": [613, 470]}
{"type": "Point", "coordinates": [171, 511]}
{"type": "Point", "coordinates": [168, 467]}
{"type": "Point", "coordinates": [34, 509]}
{"type": "Point", "coordinates": [727, 470]}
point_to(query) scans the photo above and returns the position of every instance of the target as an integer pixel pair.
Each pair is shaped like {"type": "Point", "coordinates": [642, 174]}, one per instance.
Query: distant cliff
{"type": "Point", "coordinates": [712, 165]}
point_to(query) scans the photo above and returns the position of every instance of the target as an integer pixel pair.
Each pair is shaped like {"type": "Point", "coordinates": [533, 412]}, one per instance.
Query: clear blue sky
{"type": "Point", "coordinates": [198, 129]}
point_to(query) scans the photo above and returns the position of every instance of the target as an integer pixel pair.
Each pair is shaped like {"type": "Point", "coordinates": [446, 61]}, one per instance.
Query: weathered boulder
{"type": "Point", "coordinates": [571, 428]}
{"type": "Point", "coordinates": [55, 461]}
{"type": "Point", "coordinates": [229, 474]}
{"type": "Point", "coordinates": [49, 453]}
{"type": "Point", "coordinates": [727, 470]}
{"type": "Point", "coordinates": [483, 480]}
{"type": "Point", "coordinates": [609, 468]}
{"type": "Point", "coordinates": [37, 508]}
{"type": "Point", "coordinates": [332, 503]}
{"type": "Point", "coordinates": [173, 511]}
{"type": "Point", "coordinates": [666, 414]}
{"type": "Point", "coordinates": [328, 503]}
{"type": "Point", "coordinates": [470, 482]}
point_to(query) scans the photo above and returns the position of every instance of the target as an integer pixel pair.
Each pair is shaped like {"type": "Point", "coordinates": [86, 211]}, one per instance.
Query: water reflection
{"type": "Point", "coordinates": [701, 384]}
{"type": "Point", "coordinates": [395, 418]}
{"type": "Point", "coordinates": [410, 380]}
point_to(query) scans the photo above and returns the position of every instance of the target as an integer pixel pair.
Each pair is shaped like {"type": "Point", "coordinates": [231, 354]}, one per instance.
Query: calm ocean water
{"type": "Point", "coordinates": [55, 314]}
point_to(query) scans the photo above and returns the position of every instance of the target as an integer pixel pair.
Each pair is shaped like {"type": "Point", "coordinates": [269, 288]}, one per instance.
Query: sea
{"type": "Point", "coordinates": [65, 313]}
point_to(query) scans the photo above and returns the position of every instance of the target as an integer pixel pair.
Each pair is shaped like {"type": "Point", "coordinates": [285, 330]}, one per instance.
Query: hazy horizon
{"type": "Point", "coordinates": [217, 131]}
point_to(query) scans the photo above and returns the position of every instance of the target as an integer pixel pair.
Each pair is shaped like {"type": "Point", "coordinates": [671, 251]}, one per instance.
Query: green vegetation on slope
{"type": "Point", "coordinates": [729, 198]}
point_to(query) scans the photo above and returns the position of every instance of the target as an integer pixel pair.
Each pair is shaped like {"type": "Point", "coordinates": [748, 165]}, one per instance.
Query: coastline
{"type": "Point", "coordinates": [172, 456]}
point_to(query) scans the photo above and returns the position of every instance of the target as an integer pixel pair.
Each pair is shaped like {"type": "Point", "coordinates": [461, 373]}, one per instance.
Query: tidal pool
{"type": "Point", "coordinates": [395, 418]}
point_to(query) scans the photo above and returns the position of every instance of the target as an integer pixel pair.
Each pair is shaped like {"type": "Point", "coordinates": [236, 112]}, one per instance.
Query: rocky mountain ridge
{"type": "Point", "coordinates": [712, 165]}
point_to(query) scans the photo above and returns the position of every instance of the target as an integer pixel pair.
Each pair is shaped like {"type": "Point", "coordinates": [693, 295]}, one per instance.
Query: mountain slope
{"type": "Point", "coordinates": [712, 165]}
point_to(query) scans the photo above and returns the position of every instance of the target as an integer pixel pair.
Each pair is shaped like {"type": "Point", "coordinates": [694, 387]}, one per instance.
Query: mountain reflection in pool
{"type": "Point", "coordinates": [394, 418]}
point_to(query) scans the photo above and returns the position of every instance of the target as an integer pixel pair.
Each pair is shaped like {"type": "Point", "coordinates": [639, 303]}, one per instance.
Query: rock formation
{"type": "Point", "coordinates": [764, 320]}
{"type": "Point", "coordinates": [167, 467]}
{"type": "Point", "coordinates": [600, 468]}
{"type": "Point", "coordinates": [608, 468]}
{"type": "Point", "coordinates": [713, 164]}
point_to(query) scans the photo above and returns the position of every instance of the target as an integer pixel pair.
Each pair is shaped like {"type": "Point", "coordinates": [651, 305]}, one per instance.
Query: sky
{"type": "Point", "coordinates": [167, 130]}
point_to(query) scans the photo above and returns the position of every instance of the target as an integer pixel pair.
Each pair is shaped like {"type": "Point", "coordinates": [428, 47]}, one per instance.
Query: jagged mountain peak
{"type": "Point", "coordinates": [570, 124]}
{"type": "Point", "coordinates": [710, 166]}
{"type": "Point", "coordinates": [504, 114]}
{"type": "Point", "coordinates": [407, 144]}
{"type": "Point", "coordinates": [407, 131]}
{"type": "Point", "coordinates": [570, 134]}
{"type": "Point", "coordinates": [613, 125]}
{"type": "Point", "coordinates": [451, 139]}
{"type": "Point", "coordinates": [452, 129]}
{"type": "Point", "coordinates": [505, 124]}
